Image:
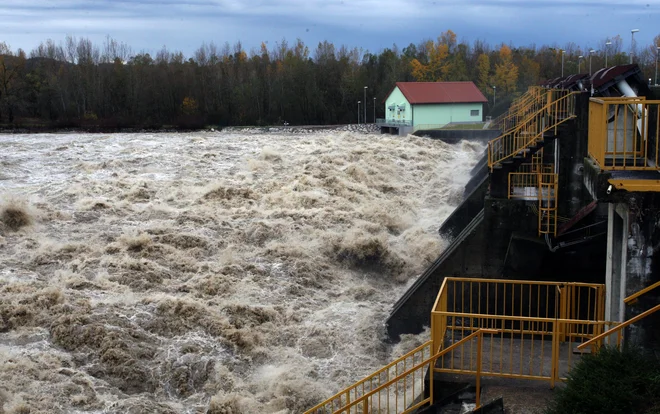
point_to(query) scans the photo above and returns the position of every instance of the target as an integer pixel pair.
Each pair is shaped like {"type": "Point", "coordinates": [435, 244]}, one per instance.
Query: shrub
{"type": "Point", "coordinates": [611, 381]}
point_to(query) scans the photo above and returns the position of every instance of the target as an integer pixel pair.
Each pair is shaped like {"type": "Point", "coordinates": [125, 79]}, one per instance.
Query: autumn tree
{"type": "Point", "coordinates": [506, 72]}
{"type": "Point", "coordinates": [437, 66]}
{"type": "Point", "coordinates": [64, 82]}
{"type": "Point", "coordinates": [483, 73]}
{"type": "Point", "coordinates": [528, 72]}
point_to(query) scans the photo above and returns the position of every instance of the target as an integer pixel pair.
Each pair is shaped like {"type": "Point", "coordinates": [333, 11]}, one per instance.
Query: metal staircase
{"type": "Point", "coordinates": [530, 134]}
{"type": "Point", "coordinates": [518, 152]}
{"type": "Point", "coordinates": [528, 103]}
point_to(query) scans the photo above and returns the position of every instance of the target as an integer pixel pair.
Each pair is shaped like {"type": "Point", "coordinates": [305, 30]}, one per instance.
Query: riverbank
{"type": "Point", "coordinates": [92, 129]}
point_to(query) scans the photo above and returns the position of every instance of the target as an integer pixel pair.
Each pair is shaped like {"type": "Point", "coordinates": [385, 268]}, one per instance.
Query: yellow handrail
{"type": "Point", "coordinates": [624, 133]}
{"type": "Point", "coordinates": [618, 329]}
{"type": "Point", "coordinates": [347, 390]}
{"type": "Point", "coordinates": [364, 399]}
{"type": "Point", "coordinates": [520, 108]}
{"type": "Point", "coordinates": [529, 130]}
{"type": "Point", "coordinates": [538, 322]}
{"type": "Point", "coordinates": [531, 116]}
{"type": "Point", "coordinates": [633, 298]}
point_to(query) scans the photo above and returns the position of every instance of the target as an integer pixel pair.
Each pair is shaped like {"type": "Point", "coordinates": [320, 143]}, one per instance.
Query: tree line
{"type": "Point", "coordinates": [75, 83]}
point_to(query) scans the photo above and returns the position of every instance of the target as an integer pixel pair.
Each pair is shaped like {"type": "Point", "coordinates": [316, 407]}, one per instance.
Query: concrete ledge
{"type": "Point", "coordinates": [496, 406]}
{"type": "Point", "coordinates": [456, 135]}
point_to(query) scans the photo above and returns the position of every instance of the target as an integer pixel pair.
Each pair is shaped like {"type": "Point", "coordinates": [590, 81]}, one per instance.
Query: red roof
{"type": "Point", "coordinates": [440, 92]}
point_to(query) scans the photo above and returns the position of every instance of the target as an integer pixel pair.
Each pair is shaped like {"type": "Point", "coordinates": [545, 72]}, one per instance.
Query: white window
{"type": "Point", "coordinates": [474, 112]}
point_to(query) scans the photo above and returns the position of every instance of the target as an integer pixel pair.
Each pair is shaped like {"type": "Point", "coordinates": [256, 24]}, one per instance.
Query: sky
{"type": "Point", "coordinates": [148, 25]}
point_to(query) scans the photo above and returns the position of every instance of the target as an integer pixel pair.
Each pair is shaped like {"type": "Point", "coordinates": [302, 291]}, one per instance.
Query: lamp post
{"type": "Point", "coordinates": [632, 43]}
{"type": "Point", "coordinates": [364, 120]}
{"type": "Point", "coordinates": [562, 61]}
{"type": "Point", "coordinates": [657, 52]}
{"type": "Point", "coordinates": [591, 53]}
{"type": "Point", "coordinates": [607, 46]}
{"type": "Point", "coordinates": [493, 95]}
{"type": "Point", "coordinates": [359, 102]}
{"type": "Point", "coordinates": [374, 109]}
{"type": "Point", "coordinates": [579, 62]}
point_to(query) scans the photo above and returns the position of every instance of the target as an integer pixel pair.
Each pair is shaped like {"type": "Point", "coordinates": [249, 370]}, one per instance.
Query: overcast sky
{"type": "Point", "coordinates": [147, 25]}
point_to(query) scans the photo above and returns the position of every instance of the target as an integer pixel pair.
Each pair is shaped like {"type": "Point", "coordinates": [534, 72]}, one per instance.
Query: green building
{"type": "Point", "coordinates": [429, 105]}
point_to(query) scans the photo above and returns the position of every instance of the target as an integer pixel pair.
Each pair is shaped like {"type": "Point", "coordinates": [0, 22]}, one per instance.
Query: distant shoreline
{"type": "Point", "coordinates": [171, 129]}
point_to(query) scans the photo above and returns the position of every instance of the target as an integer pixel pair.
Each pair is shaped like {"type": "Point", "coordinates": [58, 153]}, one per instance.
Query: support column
{"type": "Point", "coordinates": [615, 278]}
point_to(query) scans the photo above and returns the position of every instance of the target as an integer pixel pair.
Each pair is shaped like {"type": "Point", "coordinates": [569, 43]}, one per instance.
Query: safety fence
{"type": "Point", "coordinates": [537, 326]}
{"type": "Point", "coordinates": [484, 328]}
{"type": "Point", "coordinates": [548, 197]}
{"type": "Point", "coordinates": [560, 107]}
{"type": "Point", "coordinates": [524, 182]}
{"type": "Point", "coordinates": [624, 133]}
{"type": "Point", "coordinates": [605, 337]}
{"type": "Point", "coordinates": [398, 387]}
{"type": "Point", "coordinates": [522, 107]}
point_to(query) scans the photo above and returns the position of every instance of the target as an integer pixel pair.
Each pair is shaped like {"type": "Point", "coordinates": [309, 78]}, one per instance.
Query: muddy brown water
{"type": "Point", "coordinates": [210, 272]}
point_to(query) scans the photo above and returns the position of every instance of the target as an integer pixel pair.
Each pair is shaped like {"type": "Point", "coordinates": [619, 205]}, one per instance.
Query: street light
{"type": "Point", "coordinates": [591, 52]}
{"type": "Point", "coordinates": [359, 102]}
{"type": "Point", "coordinates": [562, 61]}
{"type": "Point", "coordinates": [632, 43]}
{"type": "Point", "coordinates": [364, 120]}
{"type": "Point", "coordinates": [493, 95]}
{"type": "Point", "coordinates": [607, 44]}
{"type": "Point", "coordinates": [579, 62]}
{"type": "Point", "coordinates": [374, 109]}
{"type": "Point", "coordinates": [657, 52]}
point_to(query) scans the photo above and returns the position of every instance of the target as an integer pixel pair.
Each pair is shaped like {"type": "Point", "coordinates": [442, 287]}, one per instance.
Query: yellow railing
{"type": "Point", "coordinates": [527, 104]}
{"type": "Point", "coordinates": [597, 341]}
{"type": "Point", "coordinates": [537, 323]}
{"type": "Point", "coordinates": [378, 393]}
{"type": "Point", "coordinates": [624, 133]}
{"type": "Point", "coordinates": [484, 327]}
{"type": "Point", "coordinates": [392, 388]}
{"type": "Point", "coordinates": [559, 109]}
{"type": "Point", "coordinates": [548, 195]}
{"type": "Point", "coordinates": [538, 182]}
{"type": "Point", "coordinates": [633, 298]}
{"type": "Point", "coordinates": [524, 183]}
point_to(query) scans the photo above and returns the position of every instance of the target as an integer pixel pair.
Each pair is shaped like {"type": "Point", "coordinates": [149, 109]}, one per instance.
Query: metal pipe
{"type": "Point", "coordinates": [627, 91]}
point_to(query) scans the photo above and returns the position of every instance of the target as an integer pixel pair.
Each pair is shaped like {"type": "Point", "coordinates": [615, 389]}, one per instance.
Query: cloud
{"type": "Point", "coordinates": [371, 24]}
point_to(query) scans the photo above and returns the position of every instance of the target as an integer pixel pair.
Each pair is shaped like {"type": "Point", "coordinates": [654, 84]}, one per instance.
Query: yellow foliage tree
{"type": "Point", "coordinates": [483, 72]}
{"type": "Point", "coordinates": [448, 38]}
{"type": "Point", "coordinates": [506, 72]}
{"type": "Point", "coordinates": [436, 69]}
{"type": "Point", "coordinates": [189, 106]}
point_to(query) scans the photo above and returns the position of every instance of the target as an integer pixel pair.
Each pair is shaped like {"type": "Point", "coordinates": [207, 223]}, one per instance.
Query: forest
{"type": "Point", "coordinates": [75, 83]}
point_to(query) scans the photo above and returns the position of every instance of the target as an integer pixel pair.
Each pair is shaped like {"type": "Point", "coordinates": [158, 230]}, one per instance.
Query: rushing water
{"type": "Point", "coordinates": [210, 272]}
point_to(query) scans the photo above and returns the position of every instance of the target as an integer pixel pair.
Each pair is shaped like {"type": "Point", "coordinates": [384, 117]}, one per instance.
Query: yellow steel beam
{"type": "Point", "coordinates": [635, 185]}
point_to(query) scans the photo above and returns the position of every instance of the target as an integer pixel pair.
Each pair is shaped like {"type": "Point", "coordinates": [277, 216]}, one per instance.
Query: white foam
{"type": "Point", "coordinates": [268, 260]}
